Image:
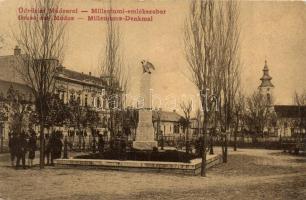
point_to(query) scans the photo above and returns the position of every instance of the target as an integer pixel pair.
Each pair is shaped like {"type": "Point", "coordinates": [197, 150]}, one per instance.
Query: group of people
{"type": "Point", "coordinates": [20, 144]}
{"type": "Point", "coordinates": [53, 146]}
{"type": "Point", "coordinates": [100, 144]}
{"type": "Point", "coordinates": [24, 144]}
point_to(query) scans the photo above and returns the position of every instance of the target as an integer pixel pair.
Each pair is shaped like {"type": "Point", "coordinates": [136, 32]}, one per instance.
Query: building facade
{"type": "Point", "coordinates": [90, 91]}
{"type": "Point", "coordinates": [169, 124]}
{"type": "Point", "coordinates": [291, 120]}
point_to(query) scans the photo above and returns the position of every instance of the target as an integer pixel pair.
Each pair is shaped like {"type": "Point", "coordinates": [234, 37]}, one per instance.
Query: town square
{"type": "Point", "coordinates": [111, 99]}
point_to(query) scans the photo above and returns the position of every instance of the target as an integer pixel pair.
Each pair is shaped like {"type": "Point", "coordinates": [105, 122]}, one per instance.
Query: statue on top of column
{"type": "Point", "coordinates": [147, 66]}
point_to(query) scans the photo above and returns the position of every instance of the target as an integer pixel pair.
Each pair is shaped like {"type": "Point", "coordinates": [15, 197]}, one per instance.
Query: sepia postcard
{"type": "Point", "coordinates": [152, 99]}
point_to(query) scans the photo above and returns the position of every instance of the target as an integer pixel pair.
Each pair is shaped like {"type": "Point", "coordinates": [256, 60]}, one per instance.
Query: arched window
{"type": "Point", "coordinates": [98, 102]}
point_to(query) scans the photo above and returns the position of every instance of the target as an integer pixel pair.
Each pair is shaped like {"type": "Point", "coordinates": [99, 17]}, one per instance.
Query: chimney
{"type": "Point", "coordinates": [89, 73]}
{"type": "Point", "coordinates": [17, 50]}
{"type": "Point", "coordinates": [174, 110]}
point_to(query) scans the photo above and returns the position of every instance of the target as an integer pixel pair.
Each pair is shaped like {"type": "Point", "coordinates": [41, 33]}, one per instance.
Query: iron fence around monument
{"type": "Point", "coordinates": [246, 141]}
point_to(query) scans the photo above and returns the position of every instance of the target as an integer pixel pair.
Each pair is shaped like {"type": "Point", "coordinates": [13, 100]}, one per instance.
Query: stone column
{"type": "Point", "coordinates": [145, 131]}
{"type": "Point", "coordinates": [145, 91]}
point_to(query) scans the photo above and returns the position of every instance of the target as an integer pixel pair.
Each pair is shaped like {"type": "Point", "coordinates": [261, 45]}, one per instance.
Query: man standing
{"type": "Point", "coordinates": [32, 148]}
{"type": "Point", "coordinates": [12, 146]}
{"type": "Point", "coordinates": [100, 145]}
{"type": "Point", "coordinates": [47, 148]}
{"type": "Point", "coordinates": [21, 150]}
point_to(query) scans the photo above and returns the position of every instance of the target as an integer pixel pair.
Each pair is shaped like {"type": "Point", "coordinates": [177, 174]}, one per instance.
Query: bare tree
{"type": "Point", "coordinates": [186, 108]}
{"type": "Point", "coordinates": [300, 101]}
{"type": "Point", "coordinates": [4, 114]}
{"type": "Point", "coordinates": [42, 42]}
{"type": "Point", "coordinates": [200, 55]}
{"type": "Point", "coordinates": [19, 109]}
{"type": "Point", "coordinates": [199, 120]}
{"type": "Point", "coordinates": [239, 111]}
{"type": "Point", "coordinates": [228, 61]}
{"type": "Point", "coordinates": [211, 43]}
{"type": "Point", "coordinates": [113, 69]}
{"type": "Point", "coordinates": [258, 112]}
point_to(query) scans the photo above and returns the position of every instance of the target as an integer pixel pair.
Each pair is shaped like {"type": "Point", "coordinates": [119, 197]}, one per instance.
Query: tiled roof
{"type": "Point", "coordinates": [166, 116]}
{"type": "Point", "coordinates": [87, 79]}
{"type": "Point", "coordinates": [80, 76]}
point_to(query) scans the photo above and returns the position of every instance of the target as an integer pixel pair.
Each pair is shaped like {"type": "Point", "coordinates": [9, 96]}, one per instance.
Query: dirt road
{"type": "Point", "coordinates": [249, 174]}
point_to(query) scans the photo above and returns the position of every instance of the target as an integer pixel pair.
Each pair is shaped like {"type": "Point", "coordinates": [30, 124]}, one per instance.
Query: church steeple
{"type": "Point", "coordinates": [266, 78]}
{"type": "Point", "coordinates": [266, 86]}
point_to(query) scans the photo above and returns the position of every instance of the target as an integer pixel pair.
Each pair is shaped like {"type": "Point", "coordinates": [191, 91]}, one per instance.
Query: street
{"type": "Point", "coordinates": [249, 174]}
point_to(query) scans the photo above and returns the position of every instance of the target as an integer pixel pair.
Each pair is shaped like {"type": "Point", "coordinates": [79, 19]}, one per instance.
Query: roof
{"type": "Point", "coordinates": [7, 62]}
{"type": "Point", "coordinates": [266, 83]}
{"type": "Point", "coordinates": [266, 78]}
{"type": "Point", "coordinates": [79, 75]}
{"type": "Point", "coordinates": [22, 88]}
{"type": "Point", "coordinates": [290, 111]}
{"type": "Point", "coordinates": [82, 78]}
{"type": "Point", "coordinates": [8, 70]}
{"type": "Point", "coordinates": [167, 116]}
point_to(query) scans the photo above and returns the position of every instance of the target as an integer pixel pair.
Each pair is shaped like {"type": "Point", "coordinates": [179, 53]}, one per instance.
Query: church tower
{"type": "Point", "coordinates": [266, 87]}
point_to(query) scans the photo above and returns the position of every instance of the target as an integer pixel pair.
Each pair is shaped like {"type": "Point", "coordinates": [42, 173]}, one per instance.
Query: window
{"type": "Point", "coordinates": [269, 98]}
{"type": "Point", "coordinates": [71, 97]}
{"type": "Point", "coordinates": [176, 128]}
{"type": "Point", "coordinates": [79, 99]}
{"type": "Point", "coordinates": [86, 100]}
{"type": "Point", "coordinates": [93, 101]}
{"type": "Point", "coordinates": [62, 95]}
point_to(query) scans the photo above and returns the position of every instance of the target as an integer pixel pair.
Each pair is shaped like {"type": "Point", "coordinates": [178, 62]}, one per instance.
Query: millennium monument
{"type": "Point", "coordinates": [145, 131]}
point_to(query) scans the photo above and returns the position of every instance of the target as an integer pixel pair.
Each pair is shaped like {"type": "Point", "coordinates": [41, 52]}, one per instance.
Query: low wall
{"type": "Point", "coordinates": [192, 168]}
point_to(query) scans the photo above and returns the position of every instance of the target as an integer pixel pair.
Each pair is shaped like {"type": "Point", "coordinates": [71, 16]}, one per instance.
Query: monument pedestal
{"type": "Point", "coordinates": [144, 145]}
{"type": "Point", "coordinates": [145, 132]}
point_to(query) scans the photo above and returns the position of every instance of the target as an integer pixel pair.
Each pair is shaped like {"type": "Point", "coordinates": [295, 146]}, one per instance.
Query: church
{"type": "Point", "coordinates": [290, 118]}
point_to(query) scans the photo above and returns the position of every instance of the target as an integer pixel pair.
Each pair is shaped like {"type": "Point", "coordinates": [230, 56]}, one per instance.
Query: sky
{"type": "Point", "coordinates": [270, 30]}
